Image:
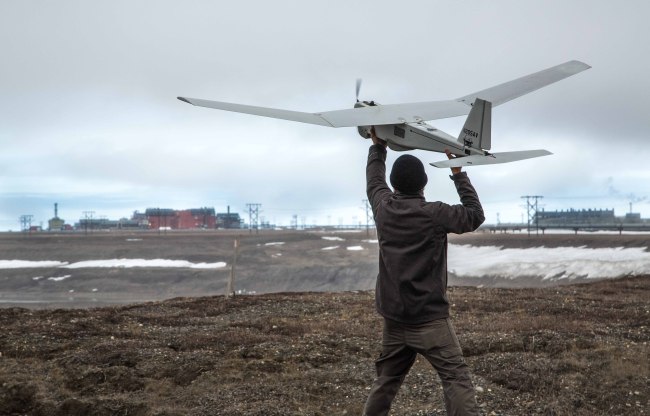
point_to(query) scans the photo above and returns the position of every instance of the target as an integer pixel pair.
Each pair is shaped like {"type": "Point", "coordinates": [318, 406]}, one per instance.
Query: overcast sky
{"type": "Point", "coordinates": [89, 116]}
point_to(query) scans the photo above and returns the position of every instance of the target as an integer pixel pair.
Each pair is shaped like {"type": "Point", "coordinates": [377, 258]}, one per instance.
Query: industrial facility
{"type": "Point", "coordinates": [153, 218]}
{"type": "Point", "coordinates": [56, 223]}
{"type": "Point", "coordinates": [585, 217]}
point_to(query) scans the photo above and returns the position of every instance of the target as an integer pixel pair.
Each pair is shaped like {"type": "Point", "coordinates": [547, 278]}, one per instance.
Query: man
{"type": "Point", "coordinates": [412, 281]}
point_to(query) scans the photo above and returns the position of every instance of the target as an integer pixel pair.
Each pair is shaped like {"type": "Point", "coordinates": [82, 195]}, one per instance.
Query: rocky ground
{"type": "Point", "coordinates": [577, 349]}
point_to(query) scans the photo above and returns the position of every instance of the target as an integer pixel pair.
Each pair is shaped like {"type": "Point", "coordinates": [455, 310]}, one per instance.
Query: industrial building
{"type": "Point", "coordinates": [89, 224]}
{"type": "Point", "coordinates": [56, 223]}
{"type": "Point", "coordinates": [229, 220]}
{"type": "Point", "coordinates": [170, 219]}
{"type": "Point", "coordinates": [584, 217]}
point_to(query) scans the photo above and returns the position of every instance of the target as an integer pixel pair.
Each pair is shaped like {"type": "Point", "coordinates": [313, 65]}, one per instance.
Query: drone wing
{"type": "Point", "coordinates": [516, 88]}
{"type": "Point", "coordinates": [259, 111]}
{"type": "Point", "coordinates": [492, 159]}
{"type": "Point", "coordinates": [408, 112]}
{"type": "Point", "coordinates": [352, 117]}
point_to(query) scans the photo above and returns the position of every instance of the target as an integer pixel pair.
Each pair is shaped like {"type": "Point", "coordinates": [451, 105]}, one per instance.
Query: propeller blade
{"type": "Point", "coordinates": [358, 88]}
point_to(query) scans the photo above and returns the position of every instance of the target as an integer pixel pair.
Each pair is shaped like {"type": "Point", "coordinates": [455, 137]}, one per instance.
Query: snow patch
{"type": "Point", "coordinates": [275, 243]}
{"type": "Point", "coordinates": [58, 279]}
{"type": "Point", "coordinates": [28, 264]}
{"type": "Point", "coordinates": [548, 263]}
{"type": "Point", "coordinates": [129, 263]}
{"type": "Point", "coordinates": [330, 248]}
{"type": "Point", "coordinates": [355, 248]}
{"type": "Point", "coordinates": [333, 238]}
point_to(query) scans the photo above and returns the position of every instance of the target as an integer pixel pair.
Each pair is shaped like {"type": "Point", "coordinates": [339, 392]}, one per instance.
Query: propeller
{"type": "Point", "coordinates": [358, 88]}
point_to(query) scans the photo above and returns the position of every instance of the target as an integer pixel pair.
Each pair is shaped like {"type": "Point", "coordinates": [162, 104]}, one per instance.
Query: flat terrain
{"type": "Point", "coordinates": [567, 350]}
{"type": "Point", "coordinates": [571, 349]}
{"type": "Point", "coordinates": [263, 266]}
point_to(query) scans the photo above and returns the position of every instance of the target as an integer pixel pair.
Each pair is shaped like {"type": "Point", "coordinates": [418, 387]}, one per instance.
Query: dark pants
{"type": "Point", "coordinates": [437, 342]}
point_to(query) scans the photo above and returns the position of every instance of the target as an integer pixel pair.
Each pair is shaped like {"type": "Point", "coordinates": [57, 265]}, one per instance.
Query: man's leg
{"type": "Point", "coordinates": [443, 351]}
{"type": "Point", "coordinates": [392, 366]}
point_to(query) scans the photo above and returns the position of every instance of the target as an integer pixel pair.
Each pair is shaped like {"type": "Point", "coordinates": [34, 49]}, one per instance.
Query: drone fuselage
{"type": "Point", "coordinates": [416, 136]}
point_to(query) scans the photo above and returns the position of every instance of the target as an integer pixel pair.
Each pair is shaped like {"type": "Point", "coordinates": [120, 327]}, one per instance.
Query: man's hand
{"type": "Point", "coordinates": [450, 157]}
{"type": "Point", "coordinates": [375, 139]}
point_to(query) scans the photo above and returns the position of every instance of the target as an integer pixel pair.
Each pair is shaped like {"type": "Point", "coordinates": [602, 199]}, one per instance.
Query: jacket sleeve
{"type": "Point", "coordinates": [468, 215]}
{"type": "Point", "coordinates": [376, 186]}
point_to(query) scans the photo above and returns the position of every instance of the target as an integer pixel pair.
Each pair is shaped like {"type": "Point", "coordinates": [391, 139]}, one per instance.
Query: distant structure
{"type": "Point", "coordinates": [229, 220]}
{"type": "Point", "coordinates": [90, 224]}
{"type": "Point", "coordinates": [56, 223]}
{"type": "Point", "coordinates": [26, 222]}
{"type": "Point", "coordinates": [577, 217]}
{"type": "Point", "coordinates": [575, 220]}
{"type": "Point", "coordinates": [590, 219]}
{"type": "Point", "coordinates": [188, 219]}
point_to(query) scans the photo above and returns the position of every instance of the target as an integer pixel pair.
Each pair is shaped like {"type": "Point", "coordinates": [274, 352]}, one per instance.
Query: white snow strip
{"type": "Point", "coordinates": [370, 241]}
{"type": "Point", "coordinates": [58, 279]}
{"type": "Point", "coordinates": [112, 263]}
{"type": "Point", "coordinates": [27, 264]}
{"type": "Point", "coordinates": [276, 243]}
{"type": "Point", "coordinates": [133, 239]}
{"type": "Point", "coordinates": [129, 263]}
{"type": "Point", "coordinates": [355, 248]}
{"type": "Point", "coordinates": [330, 248]}
{"type": "Point", "coordinates": [548, 263]}
{"type": "Point", "coordinates": [333, 238]}
{"type": "Point", "coordinates": [37, 278]}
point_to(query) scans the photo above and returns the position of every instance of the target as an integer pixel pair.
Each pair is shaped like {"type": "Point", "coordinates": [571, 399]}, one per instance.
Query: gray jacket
{"type": "Point", "coordinates": [412, 282]}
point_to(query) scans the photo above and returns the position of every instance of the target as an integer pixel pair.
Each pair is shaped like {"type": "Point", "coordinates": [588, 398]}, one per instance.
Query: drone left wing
{"type": "Point", "coordinates": [352, 117]}
{"type": "Point", "coordinates": [260, 111]}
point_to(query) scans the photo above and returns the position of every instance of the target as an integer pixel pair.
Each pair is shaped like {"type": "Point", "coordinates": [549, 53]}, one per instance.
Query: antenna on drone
{"type": "Point", "coordinates": [358, 88]}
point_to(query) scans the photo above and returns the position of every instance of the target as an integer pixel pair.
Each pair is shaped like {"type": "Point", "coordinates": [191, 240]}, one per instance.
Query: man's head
{"type": "Point", "coordinates": [407, 175]}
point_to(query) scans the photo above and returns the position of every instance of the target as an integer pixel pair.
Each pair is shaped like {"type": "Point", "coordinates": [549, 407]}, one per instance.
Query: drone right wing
{"type": "Point", "coordinates": [516, 88]}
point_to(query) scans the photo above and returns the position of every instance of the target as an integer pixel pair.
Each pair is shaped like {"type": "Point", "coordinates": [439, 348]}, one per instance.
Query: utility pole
{"type": "Point", "coordinates": [253, 215]}
{"type": "Point", "coordinates": [230, 289]}
{"type": "Point", "coordinates": [531, 209]}
{"type": "Point", "coordinates": [368, 216]}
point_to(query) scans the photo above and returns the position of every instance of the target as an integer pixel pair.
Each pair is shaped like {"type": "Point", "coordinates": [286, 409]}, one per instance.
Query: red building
{"type": "Point", "coordinates": [188, 219]}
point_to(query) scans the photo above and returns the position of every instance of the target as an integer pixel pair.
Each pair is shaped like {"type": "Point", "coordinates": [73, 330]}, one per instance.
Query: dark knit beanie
{"type": "Point", "coordinates": [408, 175]}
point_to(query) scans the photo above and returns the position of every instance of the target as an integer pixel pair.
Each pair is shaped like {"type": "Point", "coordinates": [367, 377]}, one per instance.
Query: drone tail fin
{"type": "Point", "coordinates": [477, 131]}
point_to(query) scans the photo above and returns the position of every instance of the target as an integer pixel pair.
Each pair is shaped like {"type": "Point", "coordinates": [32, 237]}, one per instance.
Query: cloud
{"type": "Point", "coordinates": [90, 113]}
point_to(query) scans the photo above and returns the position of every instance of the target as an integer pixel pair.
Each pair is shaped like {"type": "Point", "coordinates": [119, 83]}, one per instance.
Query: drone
{"type": "Point", "coordinates": [404, 127]}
